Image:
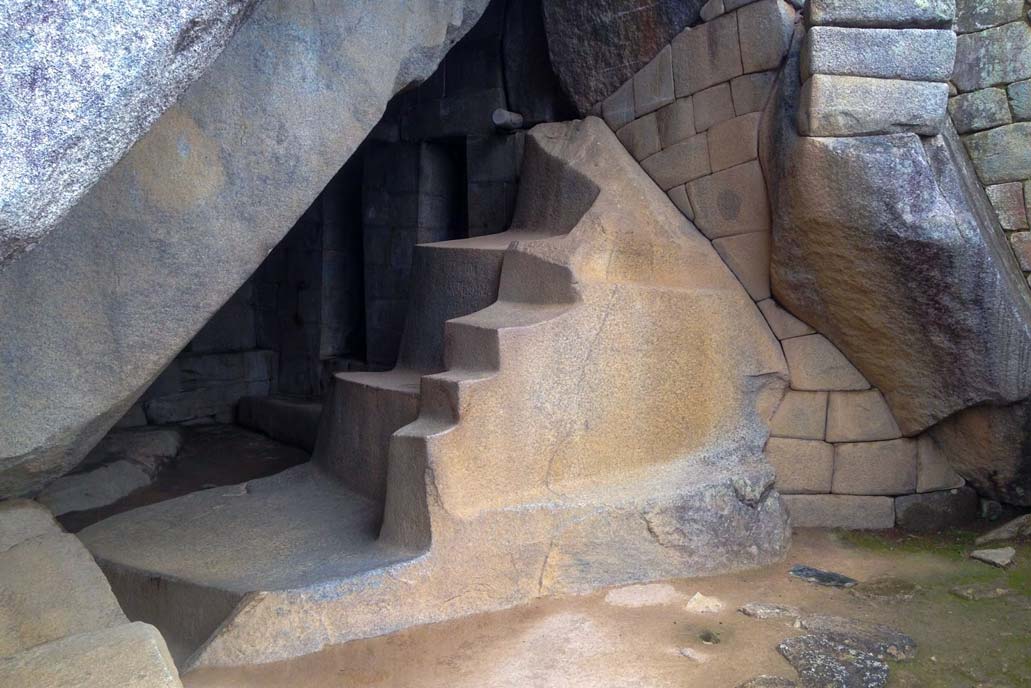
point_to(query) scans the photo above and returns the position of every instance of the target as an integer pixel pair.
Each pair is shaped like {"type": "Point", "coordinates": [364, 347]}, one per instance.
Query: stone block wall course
{"type": "Point", "coordinates": [840, 457]}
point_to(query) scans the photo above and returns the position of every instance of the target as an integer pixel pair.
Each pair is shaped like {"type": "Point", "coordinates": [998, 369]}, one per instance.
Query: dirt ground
{"type": "Point", "coordinates": [642, 636]}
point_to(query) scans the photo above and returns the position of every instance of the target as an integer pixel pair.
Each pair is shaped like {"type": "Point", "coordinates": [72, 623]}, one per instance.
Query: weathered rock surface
{"type": "Point", "coordinates": [873, 13]}
{"type": "Point", "coordinates": [859, 106]}
{"type": "Point", "coordinates": [595, 47]}
{"type": "Point", "coordinates": [977, 15]}
{"type": "Point", "coordinates": [197, 203]}
{"type": "Point", "coordinates": [128, 656]}
{"type": "Point", "coordinates": [1019, 527]}
{"type": "Point", "coordinates": [1000, 55]}
{"type": "Point", "coordinates": [979, 110]}
{"type": "Point", "coordinates": [21, 520]}
{"type": "Point", "coordinates": [911, 281]}
{"type": "Point", "coordinates": [1000, 556]}
{"type": "Point", "coordinates": [877, 639]}
{"type": "Point", "coordinates": [934, 511]}
{"type": "Point", "coordinates": [1001, 154]}
{"type": "Point", "coordinates": [917, 54]}
{"type": "Point", "coordinates": [81, 82]}
{"type": "Point", "coordinates": [990, 446]}
{"type": "Point", "coordinates": [823, 661]}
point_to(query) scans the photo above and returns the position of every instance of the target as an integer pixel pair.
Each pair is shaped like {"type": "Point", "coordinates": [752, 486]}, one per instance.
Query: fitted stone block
{"type": "Point", "coordinates": [732, 201]}
{"type": "Point", "coordinates": [748, 257]}
{"type": "Point", "coordinates": [883, 13]}
{"type": "Point", "coordinates": [712, 106]}
{"type": "Point", "coordinates": [712, 9]}
{"type": "Point", "coordinates": [653, 85]}
{"type": "Point", "coordinates": [977, 15]}
{"type": "Point", "coordinates": [678, 195]}
{"type": "Point", "coordinates": [1001, 154]}
{"type": "Point", "coordinates": [129, 656]}
{"type": "Point", "coordinates": [679, 163]}
{"type": "Point", "coordinates": [802, 466]}
{"type": "Point", "coordinates": [641, 137]}
{"type": "Point", "coordinates": [618, 109]}
{"type": "Point", "coordinates": [751, 91]}
{"type": "Point", "coordinates": [24, 519]}
{"type": "Point", "coordinates": [783, 324]}
{"type": "Point", "coordinates": [1020, 100]}
{"type": "Point", "coordinates": [1000, 55]}
{"type": "Point", "coordinates": [706, 55]}
{"type": "Point", "coordinates": [801, 415]}
{"type": "Point", "coordinates": [816, 364]}
{"type": "Point", "coordinates": [875, 468]}
{"type": "Point", "coordinates": [734, 141]}
{"type": "Point", "coordinates": [1008, 201]}
{"type": "Point", "coordinates": [979, 110]}
{"type": "Point", "coordinates": [933, 471]}
{"type": "Point", "coordinates": [841, 511]}
{"type": "Point", "coordinates": [765, 30]}
{"type": "Point", "coordinates": [911, 54]}
{"type": "Point", "coordinates": [936, 511]}
{"type": "Point", "coordinates": [676, 122]}
{"type": "Point", "coordinates": [1021, 243]}
{"type": "Point", "coordinates": [856, 106]}
{"type": "Point", "coordinates": [860, 417]}
{"type": "Point", "coordinates": [73, 596]}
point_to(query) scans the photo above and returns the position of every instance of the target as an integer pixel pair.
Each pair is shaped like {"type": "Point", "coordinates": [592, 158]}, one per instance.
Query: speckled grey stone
{"type": "Point", "coordinates": [91, 316]}
{"type": "Point", "coordinates": [977, 15]}
{"type": "Point", "coordinates": [826, 662]}
{"type": "Point", "coordinates": [913, 54]}
{"type": "Point", "coordinates": [883, 13]}
{"type": "Point", "coordinates": [979, 110]}
{"type": "Point", "coordinates": [993, 57]}
{"type": "Point", "coordinates": [82, 80]}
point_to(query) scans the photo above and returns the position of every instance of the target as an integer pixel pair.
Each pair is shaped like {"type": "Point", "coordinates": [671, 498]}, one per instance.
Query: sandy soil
{"type": "Point", "coordinates": [643, 636]}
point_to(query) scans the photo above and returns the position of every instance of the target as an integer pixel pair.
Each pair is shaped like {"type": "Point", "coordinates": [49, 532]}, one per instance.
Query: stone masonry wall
{"type": "Point", "coordinates": [691, 117]}
{"type": "Point", "coordinates": [991, 108]}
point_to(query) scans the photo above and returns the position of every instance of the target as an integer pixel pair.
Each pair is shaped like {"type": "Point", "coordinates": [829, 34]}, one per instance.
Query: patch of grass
{"type": "Point", "coordinates": [953, 544]}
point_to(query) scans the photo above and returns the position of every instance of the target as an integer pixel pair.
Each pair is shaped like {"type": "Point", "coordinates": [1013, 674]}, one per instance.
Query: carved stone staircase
{"type": "Point", "coordinates": [580, 401]}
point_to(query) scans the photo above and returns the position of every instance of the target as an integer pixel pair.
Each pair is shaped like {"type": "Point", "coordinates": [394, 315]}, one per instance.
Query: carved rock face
{"type": "Point", "coordinates": [596, 46]}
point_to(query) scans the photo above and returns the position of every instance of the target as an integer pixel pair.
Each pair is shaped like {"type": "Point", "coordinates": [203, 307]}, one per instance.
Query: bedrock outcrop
{"type": "Point", "coordinates": [886, 245]}
{"type": "Point", "coordinates": [597, 46]}
{"type": "Point", "coordinates": [82, 81]}
{"type": "Point", "coordinates": [99, 307]}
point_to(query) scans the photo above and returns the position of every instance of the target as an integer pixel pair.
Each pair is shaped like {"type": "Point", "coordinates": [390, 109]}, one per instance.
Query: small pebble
{"type": "Point", "coordinates": [980, 592]}
{"type": "Point", "coordinates": [700, 604]}
{"type": "Point", "coordinates": [694, 655]}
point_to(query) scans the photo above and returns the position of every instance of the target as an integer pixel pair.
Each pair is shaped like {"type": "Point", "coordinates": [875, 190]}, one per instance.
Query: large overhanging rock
{"type": "Point", "coordinates": [597, 46]}
{"type": "Point", "coordinates": [885, 245]}
{"type": "Point", "coordinates": [81, 81]}
{"type": "Point", "coordinates": [92, 315]}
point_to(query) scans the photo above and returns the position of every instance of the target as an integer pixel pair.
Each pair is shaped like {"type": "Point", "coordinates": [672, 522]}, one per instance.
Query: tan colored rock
{"type": "Point", "coordinates": [51, 588]}
{"type": "Point", "coordinates": [860, 417]}
{"type": "Point", "coordinates": [751, 91]}
{"type": "Point", "coordinates": [732, 201]}
{"type": "Point", "coordinates": [841, 511]}
{"type": "Point", "coordinates": [676, 122]}
{"type": "Point", "coordinates": [706, 55]}
{"type": "Point", "coordinates": [1021, 243]}
{"type": "Point", "coordinates": [678, 194]}
{"type": "Point", "coordinates": [783, 324]}
{"type": "Point", "coordinates": [734, 141]}
{"type": "Point", "coordinates": [712, 106]}
{"type": "Point", "coordinates": [835, 106]}
{"type": "Point", "coordinates": [127, 656]}
{"type": "Point", "coordinates": [641, 137]}
{"type": "Point", "coordinates": [748, 256]}
{"type": "Point", "coordinates": [933, 472]}
{"type": "Point", "coordinates": [816, 364]}
{"type": "Point", "coordinates": [679, 163]}
{"type": "Point", "coordinates": [765, 29]}
{"type": "Point", "coordinates": [23, 519]}
{"type": "Point", "coordinates": [801, 415]}
{"type": "Point", "coordinates": [803, 466]}
{"type": "Point", "coordinates": [1008, 201]}
{"type": "Point", "coordinates": [653, 84]}
{"type": "Point", "coordinates": [875, 468]}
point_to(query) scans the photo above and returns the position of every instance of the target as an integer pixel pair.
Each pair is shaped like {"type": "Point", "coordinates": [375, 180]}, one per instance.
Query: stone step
{"type": "Point", "coordinates": [291, 420]}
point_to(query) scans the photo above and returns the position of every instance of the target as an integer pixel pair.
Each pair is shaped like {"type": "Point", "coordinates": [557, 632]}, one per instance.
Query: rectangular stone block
{"type": "Point", "coordinates": [883, 13]}
{"type": "Point", "coordinates": [841, 511]}
{"type": "Point", "coordinates": [933, 471]}
{"type": "Point", "coordinates": [765, 30]}
{"type": "Point", "coordinates": [734, 141]}
{"type": "Point", "coordinates": [676, 122]}
{"type": "Point", "coordinates": [801, 415]}
{"type": "Point", "coordinates": [802, 466]}
{"type": "Point", "coordinates": [910, 54]}
{"type": "Point", "coordinates": [712, 106]}
{"type": "Point", "coordinates": [678, 194]}
{"type": "Point", "coordinates": [641, 137]}
{"type": "Point", "coordinates": [732, 201]}
{"type": "Point", "coordinates": [857, 106]}
{"type": "Point", "coordinates": [1000, 55]}
{"type": "Point", "coordinates": [751, 91]}
{"type": "Point", "coordinates": [712, 9]}
{"type": "Point", "coordinates": [653, 85]}
{"type": "Point", "coordinates": [1001, 154]}
{"type": "Point", "coordinates": [977, 15]}
{"type": "Point", "coordinates": [783, 324]}
{"type": "Point", "coordinates": [1020, 100]}
{"type": "Point", "coordinates": [706, 55]}
{"type": "Point", "coordinates": [618, 109]}
{"type": "Point", "coordinates": [748, 257]}
{"type": "Point", "coordinates": [815, 364]}
{"type": "Point", "coordinates": [128, 656]}
{"type": "Point", "coordinates": [875, 468]}
{"type": "Point", "coordinates": [679, 163]}
{"type": "Point", "coordinates": [979, 110]}
{"type": "Point", "coordinates": [860, 417]}
{"type": "Point", "coordinates": [1008, 201]}
{"type": "Point", "coordinates": [1021, 243]}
